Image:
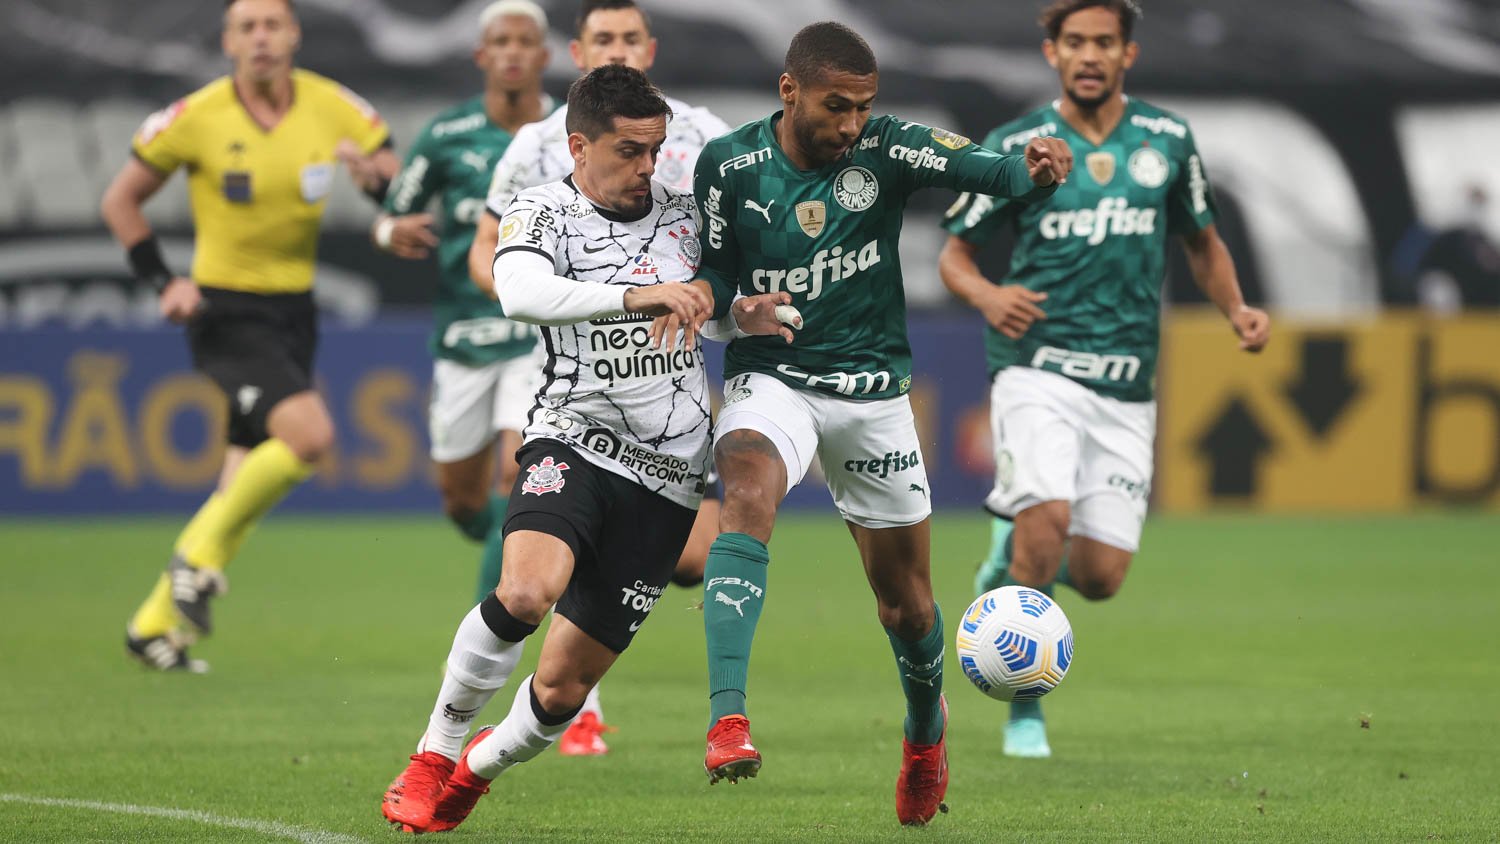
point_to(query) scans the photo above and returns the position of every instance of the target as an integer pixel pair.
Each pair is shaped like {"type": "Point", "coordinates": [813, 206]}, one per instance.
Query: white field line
{"type": "Point", "coordinates": [280, 830]}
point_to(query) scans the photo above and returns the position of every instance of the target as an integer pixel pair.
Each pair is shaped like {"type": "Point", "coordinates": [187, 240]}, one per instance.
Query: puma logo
{"type": "Point", "coordinates": [917, 488]}
{"type": "Point", "coordinates": [478, 160]}
{"type": "Point", "coordinates": [721, 598]}
{"type": "Point", "coordinates": [926, 681]}
{"type": "Point", "coordinates": [247, 397]}
{"type": "Point", "coordinates": [764, 212]}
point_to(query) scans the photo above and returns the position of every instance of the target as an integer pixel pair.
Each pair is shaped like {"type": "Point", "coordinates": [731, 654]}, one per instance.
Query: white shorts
{"type": "Point", "coordinates": [1057, 440]}
{"type": "Point", "coordinates": [470, 405]}
{"type": "Point", "coordinates": [868, 449]}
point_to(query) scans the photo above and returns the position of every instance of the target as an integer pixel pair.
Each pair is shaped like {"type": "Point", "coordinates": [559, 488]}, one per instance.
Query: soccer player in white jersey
{"type": "Point", "coordinates": [609, 32]}
{"type": "Point", "coordinates": [618, 439]}
{"type": "Point", "coordinates": [1072, 331]}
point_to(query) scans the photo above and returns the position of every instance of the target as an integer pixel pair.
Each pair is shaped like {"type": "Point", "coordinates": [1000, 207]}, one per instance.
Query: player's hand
{"type": "Point", "coordinates": [757, 315]}
{"type": "Point", "coordinates": [1253, 326]}
{"type": "Point", "coordinates": [1048, 161]}
{"type": "Point", "coordinates": [411, 236]}
{"type": "Point", "coordinates": [677, 306]}
{"type": "Point", "coordinates": [1011, 309]}
{"type": "Point", "coordinates": [362, 168]}
{"type": "Point", "coordinates": [180, 300]}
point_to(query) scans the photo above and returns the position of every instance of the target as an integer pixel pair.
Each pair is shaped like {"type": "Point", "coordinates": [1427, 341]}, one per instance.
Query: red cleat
{"type": "Point", "coordinates": [730, 754]}
{"type": "Point", "coordinates": [409, 799]}
{"type": "Point", "coordinates": [461, 793]}
{"type": "Point", "coordinates": [584, 737]}
{"type": "Point", "coordinates": [924, 778]}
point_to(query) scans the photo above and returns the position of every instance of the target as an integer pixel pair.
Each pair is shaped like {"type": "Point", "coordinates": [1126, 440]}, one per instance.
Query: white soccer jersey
{"type": "Point", "coordinates": [539, 153]}
{"type": "Point", "coordinates": [639, 412]}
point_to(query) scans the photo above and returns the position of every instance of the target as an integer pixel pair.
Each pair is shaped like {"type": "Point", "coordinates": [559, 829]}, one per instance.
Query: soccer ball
{"type": "Point", "coordinates": [1014, 643]}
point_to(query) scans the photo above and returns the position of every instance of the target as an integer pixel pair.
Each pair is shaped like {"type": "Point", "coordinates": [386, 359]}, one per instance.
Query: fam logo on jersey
{"type": "Point", "coordinates": [1101, 166]}
{"type": "Point", "coordinates": [1148, 168]}
{"type": "Point", "coordinates": [856, 188]}
{"type": "Point", "coordinates": [811, 215]}
{"type": "Point", "coordinates": [950, 140]}
{"type": "Point", "coordinates": [544, 477]}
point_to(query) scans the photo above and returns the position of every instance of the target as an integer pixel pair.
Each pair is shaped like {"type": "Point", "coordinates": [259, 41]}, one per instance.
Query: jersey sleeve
{"type": "Point", "coordinates": [420, 177]}
{"type": "Point", "coordinates": [926, 157]}
{"type": "Point", "coordinates": [721, 259]}
{"type": "Point", "coordinates": [165, 140]}
{"type": "Point", "coordinates": [516, 170]}
{"type": "Point", "coordinates": [360, 122]}
{"type": "Point", "coordinates": [1190, 204]}
{"type": "Point", "coordinates": [532, 223]}
{"type": "Point", "coordinates": [976, 217]}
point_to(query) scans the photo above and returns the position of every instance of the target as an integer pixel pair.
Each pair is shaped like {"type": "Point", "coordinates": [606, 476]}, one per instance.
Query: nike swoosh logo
{"type": "Point", "coordinates": [634, 626]}
{"type": "Point", "coordinates": [592, 251]}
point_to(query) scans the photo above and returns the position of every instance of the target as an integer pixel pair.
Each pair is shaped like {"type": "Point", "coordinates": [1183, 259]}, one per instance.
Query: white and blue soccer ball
{"type": "Point", "coordinates": [1015, 643]}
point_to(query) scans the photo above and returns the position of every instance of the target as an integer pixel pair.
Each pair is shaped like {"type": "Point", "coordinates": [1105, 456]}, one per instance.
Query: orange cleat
{"type": "Point", "coordinates": [924, 778]}
{"type": "Point", "coordinates": [461, 793]}
{"type": "Point", "coordinates": [584, 737]}
{"type": "Point", "coordinates": [409, 799]}
{"type": "Point", "coordinates": [730, 754]}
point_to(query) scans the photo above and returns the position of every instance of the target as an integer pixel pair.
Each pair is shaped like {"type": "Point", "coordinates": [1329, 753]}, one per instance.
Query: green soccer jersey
{"type": "Point", "coordinates": [1097, 247]}
{"type": "Point", "coordinates": [829, 237]}
{"type": "Point", "coordinates": [452, 159]}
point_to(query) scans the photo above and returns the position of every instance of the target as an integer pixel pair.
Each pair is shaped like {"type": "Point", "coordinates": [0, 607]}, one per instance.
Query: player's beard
{"type": "Point", "coordinates": [1092, 103]}
{"type": "Point", "coordinates": [820, 152]}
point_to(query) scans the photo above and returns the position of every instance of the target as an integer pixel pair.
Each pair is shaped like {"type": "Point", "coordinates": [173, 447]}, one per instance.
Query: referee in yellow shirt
{"type": "Point", "coordinates": [260, 147]}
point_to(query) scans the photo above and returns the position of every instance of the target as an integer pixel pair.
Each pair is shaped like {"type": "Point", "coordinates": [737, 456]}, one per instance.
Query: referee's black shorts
{"type": "Point", "coordinates": [625, 539]}
{"type": "Point", "coordinates": [258, 348]}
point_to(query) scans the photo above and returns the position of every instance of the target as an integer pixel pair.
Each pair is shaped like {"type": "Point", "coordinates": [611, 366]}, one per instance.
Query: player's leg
{"type": "Point", "coordinates": [694, 559]}
{"type": "Point", "coordinates": [1113, 487]}
{"type": "Point", "coordinates": [515, 385]}
{"type": "Point", "coordinates": [764, 441]}
{"type": "Point", "coordinates": [608, 597]}
{"type": "Point", "coordinates": [872, 457]}
{"type": "Point", "coordinates": [491, 559]}
{"type": "Point", "coordinates": [461, 430]}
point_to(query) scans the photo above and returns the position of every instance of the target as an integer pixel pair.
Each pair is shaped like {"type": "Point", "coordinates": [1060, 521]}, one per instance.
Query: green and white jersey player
{"type": "Point", "coordinates": [1073, 327]}
{"type": "Point", "coordinates": [483, 380]}
{"type": "Point", "coordinates": [809, 201]}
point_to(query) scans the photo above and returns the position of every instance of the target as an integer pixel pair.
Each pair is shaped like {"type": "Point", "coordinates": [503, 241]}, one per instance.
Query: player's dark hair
{"type": "Point", "coordinates": [291, 7]}
{"type": "Point", "coordinates": [608, 92]}
{"type": "Point", "coordinates": [1054, 14]}
{"type": "Point", "coordinates": [591, 6]}
{"type": "Point", "coordinates": [825, 47]}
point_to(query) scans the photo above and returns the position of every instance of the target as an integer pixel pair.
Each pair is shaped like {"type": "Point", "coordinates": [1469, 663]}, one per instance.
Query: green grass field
{"type": "Point", "coordinates": [1257, 680]}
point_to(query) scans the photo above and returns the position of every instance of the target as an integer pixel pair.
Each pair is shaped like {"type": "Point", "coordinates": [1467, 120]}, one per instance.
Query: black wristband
{"type": "Point", "coordinates": [148, 265]}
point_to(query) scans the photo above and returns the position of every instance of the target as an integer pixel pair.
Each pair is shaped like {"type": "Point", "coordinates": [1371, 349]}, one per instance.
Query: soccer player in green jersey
{"type": "Point", "coordinates": [483, 380]}
{"type": "Point", "coordinates": [1073, 327]}
{"type": "Point", "coordinates": [809, 201]}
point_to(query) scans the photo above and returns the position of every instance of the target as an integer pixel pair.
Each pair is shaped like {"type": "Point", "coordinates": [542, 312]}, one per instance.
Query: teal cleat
{"type": "Point", "coordinates": [992, 571]}
{"type": "Point", "coordinates": [1026, 738]}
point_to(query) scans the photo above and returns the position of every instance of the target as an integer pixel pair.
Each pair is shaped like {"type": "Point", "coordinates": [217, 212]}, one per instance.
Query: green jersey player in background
{"type": "Point", "coordinates": [1073, 328]}
{"type": "Point", "coordinates": [483, 381]}
{"type": "Point", "coordinates": [809, 201]}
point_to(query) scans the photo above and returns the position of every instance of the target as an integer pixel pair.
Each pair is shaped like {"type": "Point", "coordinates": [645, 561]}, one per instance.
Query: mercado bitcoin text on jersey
{"type": "Point", "coordinates": [1097, 248]}
{"type": "Point", "coordinates": [540, 152]}
{"type": "Point", "coordinates": [637, 411]}
{"type": "Point", "coordinates": [258, 194]}
{"type": "Point", "coordinates": [829, 237]}
{"type": "Point", "coordinates": [452, 161]}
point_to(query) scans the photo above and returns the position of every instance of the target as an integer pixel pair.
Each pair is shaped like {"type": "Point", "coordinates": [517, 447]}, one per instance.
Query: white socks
{"type": "Point", "coordinates": [519, 738]}
{"type": "Point", "coordinates": [478, 665]}
{"type": "Point", "coordinates": [591, 704]}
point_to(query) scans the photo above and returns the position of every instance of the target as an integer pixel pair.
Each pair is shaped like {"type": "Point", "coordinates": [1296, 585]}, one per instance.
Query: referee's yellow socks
{"type": "Point", "coordinates": [268, 473]}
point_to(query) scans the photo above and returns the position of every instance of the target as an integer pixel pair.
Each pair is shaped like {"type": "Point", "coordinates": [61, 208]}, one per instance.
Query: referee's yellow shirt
{"type": "Point", "coordinates": [257, 194]}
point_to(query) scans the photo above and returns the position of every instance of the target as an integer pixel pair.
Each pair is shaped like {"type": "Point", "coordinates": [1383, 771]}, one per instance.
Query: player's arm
{"type": "Point", "coordinates": [514, 172]}
{"type": "Point", "coordinates": [931, 157]}
{"type": "Point", "coordinates": [121, 208]}
{"type": "Point", "coordinates": [764, 314]}
{"type": "Point", "coordinates": [1191, 211]}
{"type": "Point", "coordinates": [372, 171]}
{"type": "Point", "coordinates": [366, 147]}
{"type": "Point", "coordinates": [714, 196]}
{"type": "Point", "coordinates": [1213, 271]}
{"type": "Point", "coordinates": [403, 227]}
{"type": "Point", "coordinates": [1009, 308]}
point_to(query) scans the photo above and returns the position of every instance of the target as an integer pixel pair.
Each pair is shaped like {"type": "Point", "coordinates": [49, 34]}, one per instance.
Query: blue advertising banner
{"type": "Point", "coordinates": [116, 421]}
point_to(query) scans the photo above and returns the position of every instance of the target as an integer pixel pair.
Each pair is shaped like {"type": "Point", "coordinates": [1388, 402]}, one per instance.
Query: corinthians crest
{"type": "Point", "coordinates": [544, 477]}
{"type": "Point", "coordinates": [810, 216]}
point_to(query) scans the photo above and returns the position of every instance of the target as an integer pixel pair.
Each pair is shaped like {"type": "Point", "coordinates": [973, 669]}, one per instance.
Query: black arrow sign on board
{"type": "Point", "coordinates": [1325, 387]}
{"type": "Point", "coordinates": [1234, 445]}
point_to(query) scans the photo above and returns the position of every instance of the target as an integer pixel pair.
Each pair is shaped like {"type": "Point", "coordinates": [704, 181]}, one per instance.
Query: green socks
{"type": "Point", "coordinates": [921, 667]}
{"type": "Point", "coordinates": [494, 544]}
{"type": "Point", "coordinates": [734, 589]}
